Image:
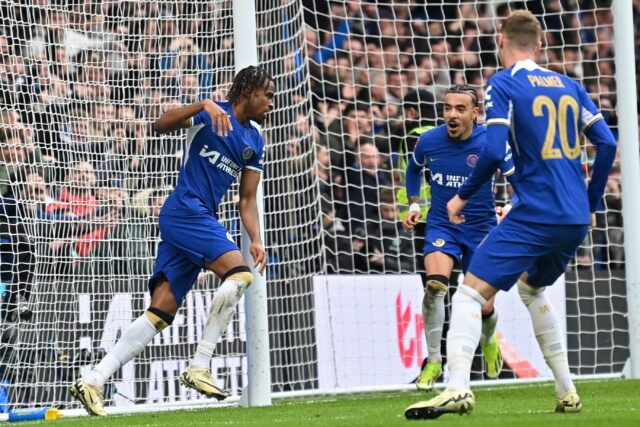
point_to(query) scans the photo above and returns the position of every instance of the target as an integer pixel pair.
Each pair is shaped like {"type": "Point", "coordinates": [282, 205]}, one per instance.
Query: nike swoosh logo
{"type": "Point", "coordinates": [458, 398]}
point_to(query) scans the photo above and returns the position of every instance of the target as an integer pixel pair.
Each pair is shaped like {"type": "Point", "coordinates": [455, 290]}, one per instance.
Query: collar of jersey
{"type": "Point", "coordinates": [526, 64]}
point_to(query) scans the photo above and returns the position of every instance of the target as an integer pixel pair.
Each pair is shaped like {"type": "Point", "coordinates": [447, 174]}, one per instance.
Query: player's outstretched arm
{"type": "Point", "coordinates": [180, 118]}
{"type": "Point", "coordinates": [249, 215]}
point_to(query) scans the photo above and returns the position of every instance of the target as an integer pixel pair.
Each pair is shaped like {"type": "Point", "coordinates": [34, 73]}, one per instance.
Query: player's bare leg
{"type": "Point", "coordinates": [549, 335]}
{"type": "Point", "coordinates": [162, 310]}
{"type": "Point", "coordinates": [236, 277]}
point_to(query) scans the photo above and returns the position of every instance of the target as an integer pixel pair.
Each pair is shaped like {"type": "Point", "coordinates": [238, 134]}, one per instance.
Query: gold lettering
{"type": "Point", "coordinates": [545, 81]}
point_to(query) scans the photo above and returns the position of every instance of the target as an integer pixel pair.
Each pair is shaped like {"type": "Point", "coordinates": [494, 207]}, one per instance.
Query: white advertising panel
{"type": "Point", "coordinates": [369, 330]}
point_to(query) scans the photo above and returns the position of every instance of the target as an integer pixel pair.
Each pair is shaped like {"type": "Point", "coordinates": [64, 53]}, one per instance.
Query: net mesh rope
{"type": "Point", "coordinates": [82, 84]}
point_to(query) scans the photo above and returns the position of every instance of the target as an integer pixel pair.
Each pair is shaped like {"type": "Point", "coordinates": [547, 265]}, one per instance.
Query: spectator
{"type": "Point", "coordinates": [26, 230]}
{"type": "Point", "coordinates": [190, 88]}
{"type": "Point", "coordinates": [336, 240]}
{"type": "Point", "coordinates": [53, 30]}
{"type": "Point", "coordinates": [12, 158]}
{"type": "Point", "coordinates": [365, 178]}
{"type": "Point", "coordinates": [113, 170]}
{"type": "Point", "coordinates": [127, 249]}
{"type": "Point", "coordinates": [78, 199]}
{"type": "Point", "coordinates": [390, 246]}
{"type": "Point", "coordinates": [419, 115]}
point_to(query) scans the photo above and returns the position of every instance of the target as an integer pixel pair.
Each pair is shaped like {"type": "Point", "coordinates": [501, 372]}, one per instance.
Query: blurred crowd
{"type": "Point", "coordinates": [378, 72]}
{"type": "Point", "coordinates": [82, 178]}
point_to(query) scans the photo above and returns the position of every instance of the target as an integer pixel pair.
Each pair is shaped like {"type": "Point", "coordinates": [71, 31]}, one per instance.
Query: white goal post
{"type": "Point", "coordinates": [258, 390]}
{"type": "Point", "coordinates": [630, 167]}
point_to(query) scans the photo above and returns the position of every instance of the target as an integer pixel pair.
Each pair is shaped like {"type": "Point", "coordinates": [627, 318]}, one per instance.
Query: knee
{"type": "Point", "coordinates": [241, 273]}
{"type": "Point", "coordinates": [488, 308]}
{"type": "Point", "coordinates": [233, 286]}
{"type": "Point", "coordinates": [466, 293]}
{"type": "Point", "coordinates": [436, 287]}
{"type": "Point", "coordinates": [162, 297]}
{"type": "Point", "coordinates": [487, 311]}
{"type": "Point", "coordinates": [529, 293]}
{"type": "Point", "coordinates": [437, 284]}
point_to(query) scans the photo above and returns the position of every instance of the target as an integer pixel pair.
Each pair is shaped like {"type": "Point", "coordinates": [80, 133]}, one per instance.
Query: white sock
{"type": "Point", "coordinates": [464, 335]}
{"type": "Point", "coordinates": [433, 315]}
{"type": "Point", "coordinates": [135, 338]}
{"type": "Point", "coordinates": [223, 307]}
{"type": "Point", "coordinates": [549, 335]}
{"type": "Point", "coordinates": [489, 327]}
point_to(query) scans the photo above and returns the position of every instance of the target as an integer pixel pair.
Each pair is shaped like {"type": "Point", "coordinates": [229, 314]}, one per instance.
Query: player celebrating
{"type": "Point", "coordinates": [192, 237]}
{"type": "Point", "coordinates": [450, 152]}
{"type": "Point", "coordinates": [541, 112]}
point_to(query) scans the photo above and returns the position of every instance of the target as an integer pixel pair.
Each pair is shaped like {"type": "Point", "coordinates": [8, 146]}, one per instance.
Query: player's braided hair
{"type": "Point", "coordinates": [246, 81]}
{"type": "Point", "coordinates": [465, 89]}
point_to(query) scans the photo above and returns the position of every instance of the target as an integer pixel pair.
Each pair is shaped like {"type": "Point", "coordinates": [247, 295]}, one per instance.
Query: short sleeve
{"type": "Point", "coordinates": [496, 103]}
{"type": "Point", "coordinates": [256, 161]}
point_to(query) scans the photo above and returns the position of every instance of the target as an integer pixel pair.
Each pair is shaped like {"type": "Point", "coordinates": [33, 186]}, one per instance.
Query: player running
{"type": "Point", "coordinates": [450, 151]}
{"type": "Point", "coordinates": [221, 143]}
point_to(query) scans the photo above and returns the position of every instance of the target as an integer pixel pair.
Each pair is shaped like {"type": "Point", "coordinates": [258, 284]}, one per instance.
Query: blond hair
{"type": "Point", "coordinates": [522, 30]}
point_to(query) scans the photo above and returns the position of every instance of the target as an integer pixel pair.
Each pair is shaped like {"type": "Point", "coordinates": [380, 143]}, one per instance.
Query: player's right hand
{"type": "Point", "coordinates": [454, 209]}
{"type": "Point", "coordinates": [410, 221]}
{"type": "Point", "coordinates": [259, 255]}
{"type": "Point", "coordinates": [220, 120]}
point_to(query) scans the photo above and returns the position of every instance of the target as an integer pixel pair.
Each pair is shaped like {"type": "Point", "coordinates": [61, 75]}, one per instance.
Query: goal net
{"type": "Point", "coordinates": [378, 71]}
{"type": "Point", "coordinates": [83, 176]}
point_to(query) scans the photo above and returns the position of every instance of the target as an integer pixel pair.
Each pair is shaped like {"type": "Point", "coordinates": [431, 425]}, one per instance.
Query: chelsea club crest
{"type": "Point", "coordinates": [247, 153]}
{"type": "Point", "coordinates": [439, 243]}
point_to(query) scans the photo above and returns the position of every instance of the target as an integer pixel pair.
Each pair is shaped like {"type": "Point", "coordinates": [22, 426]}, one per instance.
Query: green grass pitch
{"type": "Point", "coordinates": [612, 403]}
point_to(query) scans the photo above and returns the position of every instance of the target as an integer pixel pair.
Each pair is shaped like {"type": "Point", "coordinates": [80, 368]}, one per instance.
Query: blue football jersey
{"type": "Point", "coordinates": [212, 163]}
{"type": "Point", "coordinates": [450, 162]}
{"type": "Point", "coordinates": [544, 112]}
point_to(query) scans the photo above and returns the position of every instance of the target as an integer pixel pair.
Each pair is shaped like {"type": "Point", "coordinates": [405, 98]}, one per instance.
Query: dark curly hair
{"type": "Point", "coordinates": [246, 81]}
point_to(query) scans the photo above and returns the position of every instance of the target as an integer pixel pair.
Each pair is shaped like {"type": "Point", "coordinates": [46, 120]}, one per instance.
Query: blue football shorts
{"type": "Point", "coordinates": [186, 244]}
{"type": "Point", "coordinates": [513, 247]}
{"type": "Point", "coordinates": [458, 241]}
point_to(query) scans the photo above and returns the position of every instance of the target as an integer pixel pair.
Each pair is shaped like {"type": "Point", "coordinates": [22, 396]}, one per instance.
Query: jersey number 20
{"type": "Point", "coordinates": [558, 115]}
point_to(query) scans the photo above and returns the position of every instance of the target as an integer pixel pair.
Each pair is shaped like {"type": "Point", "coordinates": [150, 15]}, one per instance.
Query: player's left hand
{"type": "Point", "coordinates": [593, 220]}
{"type": "Point", "coordinates": [454, 209]}
{"type": "Point", "coordinates": [259, 257]}
{"type": "Point", "coordinates": [220, 120]}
